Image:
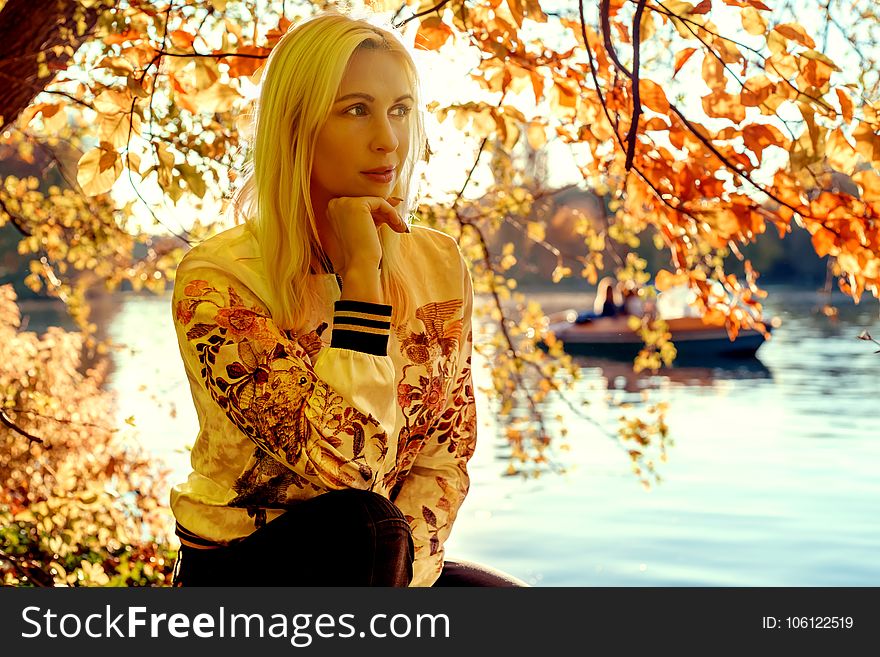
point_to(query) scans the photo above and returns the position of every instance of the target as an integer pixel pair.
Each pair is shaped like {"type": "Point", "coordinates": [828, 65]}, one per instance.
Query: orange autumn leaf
{"type": "Point", "coordinates": [714, 317]}
{"type": "Point", "coordinates": [757, 4]}
{"type": "Point", "coordinates": [122, 37]}
{"type": "Point", "coordinates": [681, 58]}
{"type": "Point", "coordinates": [516, 10]}
{"type": "Point", "coordinates": [823, 242]}
{"type": "Point", "coordinates": [756, 90]}
{"type": "Point", "coordinates": [656, 123]}
{"type": "Point", "coordinates": [721, 105]}
{"type": "Point", "coordinates": [182, 39]}
{"type": "Point", "coordinates": [757, 137]}
{"type": "Point", "coordinates": [432, 34]}
{"type": "Point", "coordinates": [870, 185]}
{"type": "Point", "coordinates": [867, 142]}
{"type": "Point", "coordinates": [240, 66]}
{"type": "Point", "coordinates": [665, 280]}
{"type": "Point", "coordinates": [814, 72]}
{"type": "Point", "coordinates": [652, 96]}
{"type": "Point", "coordinates": [846, 107]}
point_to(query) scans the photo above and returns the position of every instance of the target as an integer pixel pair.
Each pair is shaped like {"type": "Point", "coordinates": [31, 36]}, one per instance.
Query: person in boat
{"type": "Point", "coordinates": [608, 301]}
{"type": "Point", "coordinates": [632, 304]}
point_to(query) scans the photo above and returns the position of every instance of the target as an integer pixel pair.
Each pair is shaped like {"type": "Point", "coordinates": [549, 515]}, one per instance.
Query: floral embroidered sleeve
{"type": "Point", "coordinates": [435, 487]}
{"type": "Point", "coordinates": [326, 421]}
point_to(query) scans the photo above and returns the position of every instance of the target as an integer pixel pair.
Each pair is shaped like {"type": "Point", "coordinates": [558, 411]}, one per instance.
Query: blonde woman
{"type": "Point", "coordinates": [327, 343]}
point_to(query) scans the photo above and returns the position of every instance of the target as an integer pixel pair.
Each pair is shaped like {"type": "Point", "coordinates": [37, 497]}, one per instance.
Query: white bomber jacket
{"type": "Point", "coordinates": [348, 402]}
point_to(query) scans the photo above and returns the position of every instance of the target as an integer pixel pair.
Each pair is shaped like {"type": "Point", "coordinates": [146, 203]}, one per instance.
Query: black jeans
{"type": "Point", "coordinates": [346, 537]}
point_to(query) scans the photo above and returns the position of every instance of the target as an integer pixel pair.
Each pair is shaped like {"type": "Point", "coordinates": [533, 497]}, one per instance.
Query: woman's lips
{"type": "Point", "coordinates": [380, 177]}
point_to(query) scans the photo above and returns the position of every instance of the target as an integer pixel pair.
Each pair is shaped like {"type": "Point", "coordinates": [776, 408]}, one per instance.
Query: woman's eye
{"type": "Point", "coordinates": [403, 109]}
{"type": "Point", "coordinates": [361, 110]}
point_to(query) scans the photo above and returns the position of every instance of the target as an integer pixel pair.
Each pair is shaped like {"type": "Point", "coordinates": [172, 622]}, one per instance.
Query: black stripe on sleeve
{"type": "Point", "coordinates": [361, 326]}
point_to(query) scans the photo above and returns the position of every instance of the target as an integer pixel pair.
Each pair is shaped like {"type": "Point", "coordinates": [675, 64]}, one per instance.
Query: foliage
{"type": "Point", "coordinates": [780, 132]}
{"type": "Point", "coordinates": [87, 507]}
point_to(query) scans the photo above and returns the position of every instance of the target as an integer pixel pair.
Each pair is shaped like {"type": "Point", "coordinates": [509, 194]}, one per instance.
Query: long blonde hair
{"type": "Point", "coordinates": [299, 85]}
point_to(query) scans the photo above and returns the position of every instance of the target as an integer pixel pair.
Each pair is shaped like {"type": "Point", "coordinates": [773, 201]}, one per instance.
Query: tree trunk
{"type": "Point", "coordinates": [26, 29]}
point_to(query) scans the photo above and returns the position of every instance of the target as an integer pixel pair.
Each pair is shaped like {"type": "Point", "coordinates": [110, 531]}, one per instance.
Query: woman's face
{"type": "Point", "coordinates": [367, 129]}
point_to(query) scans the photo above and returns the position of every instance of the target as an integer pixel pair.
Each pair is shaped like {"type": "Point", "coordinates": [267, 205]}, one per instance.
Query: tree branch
{"type": "Point", "coordinates": [421, 13]}
{"type": "Point", "coordinates": [9, 423]}
{"type": "Point", "coordinates": [637, 104]}
{"type": "Point", "coordinates": [14, 220]}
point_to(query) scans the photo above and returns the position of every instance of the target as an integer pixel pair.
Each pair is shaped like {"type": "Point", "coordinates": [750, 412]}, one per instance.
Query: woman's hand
{"type": "Point", "coordinates": [355, 222]}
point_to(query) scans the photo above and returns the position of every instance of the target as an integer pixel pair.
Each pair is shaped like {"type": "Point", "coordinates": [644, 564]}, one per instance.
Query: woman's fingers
{"type": "Point", "coordinates": [384, 212]}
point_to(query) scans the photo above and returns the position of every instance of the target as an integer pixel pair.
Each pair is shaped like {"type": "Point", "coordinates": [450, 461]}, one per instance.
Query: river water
{"type": "Point", "coordinates": [771, 480]}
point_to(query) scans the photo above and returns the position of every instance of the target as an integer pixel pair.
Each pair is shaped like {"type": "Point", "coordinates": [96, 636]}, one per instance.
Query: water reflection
{"type": "Point", "coordinates": [703, 372]}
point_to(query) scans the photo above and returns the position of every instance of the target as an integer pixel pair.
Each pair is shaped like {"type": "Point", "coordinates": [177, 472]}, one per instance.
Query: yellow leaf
{"type": "Point", "coordinates": [115, 128]}
{"type": "Point", "coordinates": [113, 102]}
{"type": "Point", "coordinates": [133, 162]}
{"type": "Point", "coordinates": [753, 22]}
{"type": "Point", "coordinates": [536, 231]}
{"type": "Point", "coordinates": [679, 7]}
{"type": "Point", "coordinates": [218, 97]}
{"type": "Point", "coordinates": [166, 158]}
{"type": "Point", "coordinates": [205, 73]}
{"type": "Point", "coordinates": [536, 135]}
{"type": "Point", "coordinates": [195, 181]}
{"type": "Point", "coordinates": [815, 55]}
{"type": "Point", "coordinates": [713, 73]}
{"type": "Point", "coordinates": [777, 43]}
{"type": "Point", "coordinates": [119, 65]}
{"type": "Point", "coordinates": [783, 64]}
{"type": "Point", "coordinates": [647, 26]}
{"type": "Point", "coordinates": [130, 420]}
{"type": "Point", "coordinates": [795, 32]}
{"type": "Point", "coordinates": [841, 154]}
{"type": "Point", "coordinates": [98, 170]}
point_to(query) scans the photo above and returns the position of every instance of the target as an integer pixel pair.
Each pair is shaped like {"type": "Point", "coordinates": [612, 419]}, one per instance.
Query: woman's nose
{"type": "Point", "coordinates": [384, 137]}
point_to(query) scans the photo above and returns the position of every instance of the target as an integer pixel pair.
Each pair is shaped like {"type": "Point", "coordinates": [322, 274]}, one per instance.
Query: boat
{"type": "Point", "coordinates": [611, 337]}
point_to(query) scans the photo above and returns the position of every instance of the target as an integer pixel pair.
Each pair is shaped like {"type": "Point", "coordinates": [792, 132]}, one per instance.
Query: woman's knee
{"type": "Point", "coordinates": [362, 506]}
{"type": "Point", "coordinates": [377, 532]}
